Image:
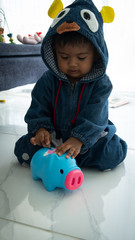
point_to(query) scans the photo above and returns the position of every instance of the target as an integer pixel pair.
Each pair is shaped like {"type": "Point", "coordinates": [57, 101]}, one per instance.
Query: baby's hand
{"type": "Point", "coordinates": [42, 138]}
{"type": "Point", "coordinates": [72, 144]}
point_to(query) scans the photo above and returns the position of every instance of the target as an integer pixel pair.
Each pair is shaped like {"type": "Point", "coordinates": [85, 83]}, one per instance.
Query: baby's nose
{"type": "Point", "coordinates": [73, 62]}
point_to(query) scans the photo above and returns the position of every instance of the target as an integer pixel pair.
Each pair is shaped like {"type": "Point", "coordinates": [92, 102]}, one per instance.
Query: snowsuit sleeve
{"type": "Point", "coordinates": [40, 113]}
{"type": "Point", "coordinates": [93, 118]}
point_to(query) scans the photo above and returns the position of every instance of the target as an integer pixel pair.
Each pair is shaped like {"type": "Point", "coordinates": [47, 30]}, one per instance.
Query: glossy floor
{"type": "Point", "coordinates": [102, 209]}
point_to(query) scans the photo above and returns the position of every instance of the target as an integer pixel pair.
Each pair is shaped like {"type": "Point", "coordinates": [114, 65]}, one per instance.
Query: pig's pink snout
{"type": "Point", "coordinates": [74, 179]}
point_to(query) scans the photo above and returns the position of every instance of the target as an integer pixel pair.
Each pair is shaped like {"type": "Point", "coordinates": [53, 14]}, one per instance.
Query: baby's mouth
{"type": "Point", "coordinates": [73, 71]}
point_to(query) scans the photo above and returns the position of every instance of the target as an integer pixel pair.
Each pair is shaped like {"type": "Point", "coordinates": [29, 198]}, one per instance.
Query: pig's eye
{"type": "Point", "coordinates": [61, 171]}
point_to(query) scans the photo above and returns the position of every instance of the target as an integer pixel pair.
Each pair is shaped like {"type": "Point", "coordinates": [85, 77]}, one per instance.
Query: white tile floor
{"type": "Point", "coordinates": [102, 209]}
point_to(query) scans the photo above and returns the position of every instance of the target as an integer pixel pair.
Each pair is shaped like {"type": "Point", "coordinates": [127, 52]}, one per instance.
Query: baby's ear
{"type": "Point", "coordinates": [108, 14]}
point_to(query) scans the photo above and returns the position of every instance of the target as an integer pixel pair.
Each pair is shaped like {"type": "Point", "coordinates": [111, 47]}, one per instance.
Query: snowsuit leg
{"type": "Point", "coordinates": [106, 153]}
{"type": "Point", "coordinates": [24, 150]}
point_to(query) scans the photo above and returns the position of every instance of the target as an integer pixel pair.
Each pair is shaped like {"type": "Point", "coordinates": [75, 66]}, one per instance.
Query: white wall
{"type": "Point", "coordinates": [26, 16]}
{"type": "Point", "coordinates": [120, 38]}
{"type": "Point", "coordinates": [29, 16]}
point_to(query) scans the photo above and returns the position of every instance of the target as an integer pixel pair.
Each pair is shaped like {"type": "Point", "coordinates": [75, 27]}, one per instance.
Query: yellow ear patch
{"type": "Point", "coordinates": [55, 8]}
{"type": "Point", "coordinates": [108, 14]}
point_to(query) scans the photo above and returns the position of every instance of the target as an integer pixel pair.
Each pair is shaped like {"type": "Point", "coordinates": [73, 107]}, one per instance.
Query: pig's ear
{"type": "Point", "coordinates": [55, 8]}
{"type": "Point", "coordinates": [108, 14]}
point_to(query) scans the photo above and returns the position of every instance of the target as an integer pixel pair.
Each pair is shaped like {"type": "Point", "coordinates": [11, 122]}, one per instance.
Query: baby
{"type": "Point", "coordinates": [71, 98]}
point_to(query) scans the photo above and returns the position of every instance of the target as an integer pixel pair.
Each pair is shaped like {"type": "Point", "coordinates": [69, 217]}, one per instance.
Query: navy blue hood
{"type": "Point", "coordinates": [86, 20]}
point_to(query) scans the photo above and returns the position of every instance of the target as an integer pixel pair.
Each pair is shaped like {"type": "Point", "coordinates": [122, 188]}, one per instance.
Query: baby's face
{"type": "Point", "coordinates": [75, 60]}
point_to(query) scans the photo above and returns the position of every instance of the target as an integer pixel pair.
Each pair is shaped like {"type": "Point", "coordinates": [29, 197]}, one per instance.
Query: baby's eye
{"type": "Point", "coordinates": [64, 58]}
{"type": "Point", "coordinates": [81, 58]}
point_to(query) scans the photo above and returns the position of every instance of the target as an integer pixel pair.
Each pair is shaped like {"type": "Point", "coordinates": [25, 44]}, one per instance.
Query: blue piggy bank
{"type": "Point", "coordinates": [56, 171]}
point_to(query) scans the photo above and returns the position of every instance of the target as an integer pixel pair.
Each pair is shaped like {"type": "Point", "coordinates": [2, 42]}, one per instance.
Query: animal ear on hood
{"type": "Point", "coordinates": [108, 14]}
{"type": "Point", "coordinates": [55, 8]}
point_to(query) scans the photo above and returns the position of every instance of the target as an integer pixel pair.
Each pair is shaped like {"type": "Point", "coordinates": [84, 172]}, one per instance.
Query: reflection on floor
{"type": "Point", "coordinates": [102, 209]}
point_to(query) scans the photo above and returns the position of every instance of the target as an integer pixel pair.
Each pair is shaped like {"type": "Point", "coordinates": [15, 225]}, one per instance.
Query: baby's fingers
{"type": "Point", "coordinates": [61, 149]}
{"type": "Point", "coordinates": [73, 152]}
{"type": "Point", "coordinates": [76, 152]}
{"type": "Point", "coordinates": [33, 141]}
{"type": "Point", "coordinates": [41, 141]}
{"type": "Point", "coordinates": [47, 139]}
{"type": "Point", "coordinates": [70, 153]}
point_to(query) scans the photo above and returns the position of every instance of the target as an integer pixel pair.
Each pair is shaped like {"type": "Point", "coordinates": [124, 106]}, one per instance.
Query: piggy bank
{"type": "Point", "coordinates": [56, 171]}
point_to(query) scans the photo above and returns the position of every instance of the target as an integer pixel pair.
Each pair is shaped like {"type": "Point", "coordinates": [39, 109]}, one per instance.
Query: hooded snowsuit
{"type": "Point", "coordinates": [82, 113]}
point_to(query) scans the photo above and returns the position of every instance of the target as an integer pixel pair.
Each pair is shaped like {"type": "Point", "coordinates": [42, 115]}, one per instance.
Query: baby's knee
{"type": "Point", "coordinates": [114, 153]}
{"type": "Point", "coordinates": [24, 150]}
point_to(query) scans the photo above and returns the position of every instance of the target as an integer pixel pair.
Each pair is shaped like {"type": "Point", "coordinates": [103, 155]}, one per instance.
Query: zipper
{"type": "Point", "coordinates": [71, 99]}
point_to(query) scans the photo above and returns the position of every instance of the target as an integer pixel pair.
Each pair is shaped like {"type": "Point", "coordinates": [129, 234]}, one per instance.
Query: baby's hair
{"type": "Point", "coordinates": [72, 38]}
